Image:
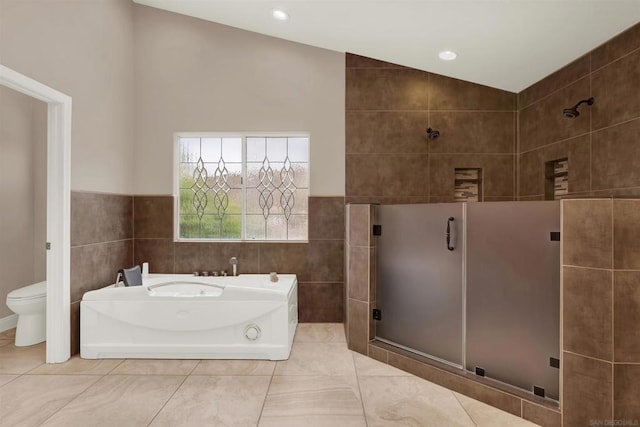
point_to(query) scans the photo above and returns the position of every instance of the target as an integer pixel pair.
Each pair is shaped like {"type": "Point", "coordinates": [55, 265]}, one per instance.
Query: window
{"type": "Point", "coordinates": [242, 187]}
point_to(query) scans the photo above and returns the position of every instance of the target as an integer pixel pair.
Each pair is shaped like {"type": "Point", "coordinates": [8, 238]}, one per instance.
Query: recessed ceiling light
{"type": "Point", "coordinates": [280, 15]}
{"type": "Point", "coordinates": [447, 55]}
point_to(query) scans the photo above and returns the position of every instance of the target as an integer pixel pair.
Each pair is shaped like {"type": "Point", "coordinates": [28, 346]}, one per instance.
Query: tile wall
{"type": "Point", "coordinates": [601, 143]}
{"type": "Point", "coordinates": [101, 244]}
{"type": "Point", "coordinates": [319, 263]}
{"type": "Point", "coordinates": [359, 281]}
{"type": "Point", "coordinates": [388, 156]}
{"type": "Point", "coordinates": [601, 311]}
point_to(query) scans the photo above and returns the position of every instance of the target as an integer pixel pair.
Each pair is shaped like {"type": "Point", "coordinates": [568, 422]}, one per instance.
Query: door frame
{"type": "Point", "coordinates": [58, 208]}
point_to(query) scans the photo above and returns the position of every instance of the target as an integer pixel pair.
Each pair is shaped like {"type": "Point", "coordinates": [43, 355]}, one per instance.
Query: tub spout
{"type": "Point", "coordinates": [234, 264]}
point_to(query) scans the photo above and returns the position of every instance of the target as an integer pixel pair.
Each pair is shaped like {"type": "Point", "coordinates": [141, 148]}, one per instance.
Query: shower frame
{"type": "Point", "coordinates": [360, 330]}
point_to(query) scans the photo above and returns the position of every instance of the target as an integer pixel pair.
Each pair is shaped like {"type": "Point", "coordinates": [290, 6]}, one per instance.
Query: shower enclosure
{"type": "Point", "coordinates": [475, 286]}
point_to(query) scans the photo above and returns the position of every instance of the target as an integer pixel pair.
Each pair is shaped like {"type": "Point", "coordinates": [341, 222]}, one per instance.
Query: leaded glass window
{"type": "Point", "coordinates": [248, 187]}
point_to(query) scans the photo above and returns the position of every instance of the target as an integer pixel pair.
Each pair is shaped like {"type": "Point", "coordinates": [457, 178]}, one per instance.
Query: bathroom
{"type": "Point", "coordinates": [23, 130]}
{"type": "Point", "coordinates": [121, 200]}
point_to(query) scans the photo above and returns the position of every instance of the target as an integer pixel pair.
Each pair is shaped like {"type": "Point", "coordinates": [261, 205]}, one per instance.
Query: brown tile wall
{"type": "Point", "coordinates": [319, 263]}
{"type": "Point", "coordinates": [626, 309]}
{"type": "Point", "coordinates": [388, 157]}
{"type": "Point", "coordinates": [601, 310]}
{"type": "Point", "coordinates": [601, 143]}
{"type": "Point", "coordinates": [360, 279]}
{"type": "Point", "coordinates": [101, 244]}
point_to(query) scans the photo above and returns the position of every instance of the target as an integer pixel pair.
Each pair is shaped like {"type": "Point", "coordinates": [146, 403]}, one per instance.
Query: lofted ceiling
{"type": "Point", "coordinates": [506, 44]}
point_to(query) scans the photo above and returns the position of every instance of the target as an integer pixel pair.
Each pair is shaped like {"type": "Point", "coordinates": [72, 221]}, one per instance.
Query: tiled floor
{"type": "Point", "coordinates": [322, 384]}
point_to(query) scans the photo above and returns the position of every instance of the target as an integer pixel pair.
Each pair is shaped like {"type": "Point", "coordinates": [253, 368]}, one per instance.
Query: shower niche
{"type": "Point", "coordinates": [556, 179]}
{"type": "Point", "coordinates": [475, 286]}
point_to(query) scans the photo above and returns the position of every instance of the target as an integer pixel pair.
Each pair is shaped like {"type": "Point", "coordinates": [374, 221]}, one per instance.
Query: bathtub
{"type": "Point", "coordinates": [187, 317]}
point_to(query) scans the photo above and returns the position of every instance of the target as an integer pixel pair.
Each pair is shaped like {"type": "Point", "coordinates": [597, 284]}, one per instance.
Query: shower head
{"type": "Point", "coordinates": [572, 113]}
{"type": "Point", "coordinates": [433, 134]}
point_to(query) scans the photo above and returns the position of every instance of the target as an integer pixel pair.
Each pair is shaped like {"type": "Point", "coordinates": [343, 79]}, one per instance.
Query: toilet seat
{"type": "Point", "coordinates": [35, 291]}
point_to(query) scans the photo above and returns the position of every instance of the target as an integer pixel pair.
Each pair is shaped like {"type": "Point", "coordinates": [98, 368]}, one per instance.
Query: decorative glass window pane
{"type": "Point", "coordinates": [297, 227]}
{"type": "Point", "coordinates": [256, 149]}
{"type": "Point", "coordinates": [211, 150]}
{"type": "Point", "coordinates": [207, 179]}
{"type": "Point", "coordinates": [256, 227]}
{"type": "Point", "coordinates": [276, 226]}
{"type": "Point", "coordinates": [252, 188]}
{"type": "Point", "coordinates": [277, 187]}
{"type": "Point", "coordinates": [277, 149]}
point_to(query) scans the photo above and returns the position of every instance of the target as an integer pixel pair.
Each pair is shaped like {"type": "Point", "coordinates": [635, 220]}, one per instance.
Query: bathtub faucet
{"type": "Point", "coordinates": [119, 280]}
{"type": "Point", "coordinates": [234, 264]}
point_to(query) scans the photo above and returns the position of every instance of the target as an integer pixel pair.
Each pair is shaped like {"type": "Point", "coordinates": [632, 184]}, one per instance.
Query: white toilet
{"type": "Point", "coordinates": [30, 304]}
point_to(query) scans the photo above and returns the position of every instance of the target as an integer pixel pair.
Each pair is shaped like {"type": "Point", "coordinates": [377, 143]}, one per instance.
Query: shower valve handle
{"type": "Point", "coordinates": [448, 234]}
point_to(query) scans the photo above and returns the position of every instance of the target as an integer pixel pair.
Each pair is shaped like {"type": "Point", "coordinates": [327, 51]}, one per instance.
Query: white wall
{"type": "Point", "coordinates": [22, 191]}
{"type": "Point", "coordinates": [83, 48]}
{"type": "Point", "coordinates": [137, 75]}
{"type": "Point", "coordinates": [194, 75]}
{"type": "Point", "coordinates": [39, 167]}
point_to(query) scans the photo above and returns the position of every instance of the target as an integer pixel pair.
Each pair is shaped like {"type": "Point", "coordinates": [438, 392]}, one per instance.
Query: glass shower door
{"type": "Point", "coordinates": [419, 279]}
{"type": "Point", "coordinates": [513, 293]}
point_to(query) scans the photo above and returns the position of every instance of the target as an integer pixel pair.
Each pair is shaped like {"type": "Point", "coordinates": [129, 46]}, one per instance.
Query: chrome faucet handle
{"type": "Point", "coordinates": [223, 273]}
{"type": "Point", "coordinates": [205, 273]}
{"type": "Point", "coordinates": [234, 264]}
{"type": "Point", "coordinates": [118, 282]}
{"type": "Point", "coordinates": [215, 273]}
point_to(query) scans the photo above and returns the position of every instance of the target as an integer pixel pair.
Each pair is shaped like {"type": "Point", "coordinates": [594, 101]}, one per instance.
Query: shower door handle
{"type": "Point", "coordinates": [448, 234]}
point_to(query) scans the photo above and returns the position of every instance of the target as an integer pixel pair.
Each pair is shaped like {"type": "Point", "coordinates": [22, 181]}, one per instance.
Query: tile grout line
{"type": "Point", "coordinates": [587, 356]}
{"type": "Point", "coordinates": [75, 397]}
{"type": "Point", "coordinates": [522, 409]}
{"type": "Point", "coordinates": [12, 380]}
{"type": "Point", "coordinates": [439, 153]}
{"type": "Point", "coordinates": [427, 110]}
{"type": "Point", "coordinates": [590, 132]}
{"type": "Point", "coordinates": [589, 268]}
{"type": "Point", "coordinates": [133, 229]}
{"type": "Point", "coordinates": [115, 367]}
{"type": "Point", "coordinates": [556, 91]}
{"type": "Point", "coordinates": [590, 129]}
{"type": "Point", "coordinates": [613, 313]}
{"type": "Point", "coordinates": [364, 412]}
{"type": "Point", "coordinates": [168, 400]}
{"type": "Point", "coordinates": [613, 60]}
{"type": "Point", "coordinates": [264, 402]}
{"type": "Point", "coordinates": [101, 243]}
{"type": "Point", "coordinates": [589, 74]}
{"type": "Point", "coordinates": [559, 141]}
{"type": "Point", "coordinates": [463, 407]}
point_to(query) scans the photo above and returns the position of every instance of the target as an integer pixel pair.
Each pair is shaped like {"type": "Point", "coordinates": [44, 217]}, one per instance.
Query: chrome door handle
{"type": "Point", "coordinates": [449, 221]}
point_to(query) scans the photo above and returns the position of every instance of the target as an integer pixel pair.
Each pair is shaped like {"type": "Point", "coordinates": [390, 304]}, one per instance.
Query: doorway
{"type": "Point", "coordinates": [58, 207]}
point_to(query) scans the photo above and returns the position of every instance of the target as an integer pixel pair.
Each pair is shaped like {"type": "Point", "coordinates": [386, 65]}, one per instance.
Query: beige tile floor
{"type": "Point", "coordinates": [322, 384]}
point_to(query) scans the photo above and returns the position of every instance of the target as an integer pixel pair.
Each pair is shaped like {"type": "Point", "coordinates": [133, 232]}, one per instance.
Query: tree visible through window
{"type": "Point", "coordinates": [243, 187]}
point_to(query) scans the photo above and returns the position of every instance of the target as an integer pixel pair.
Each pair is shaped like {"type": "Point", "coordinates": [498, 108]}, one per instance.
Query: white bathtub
{"type": "Point", "coordinates": [186, 317]}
